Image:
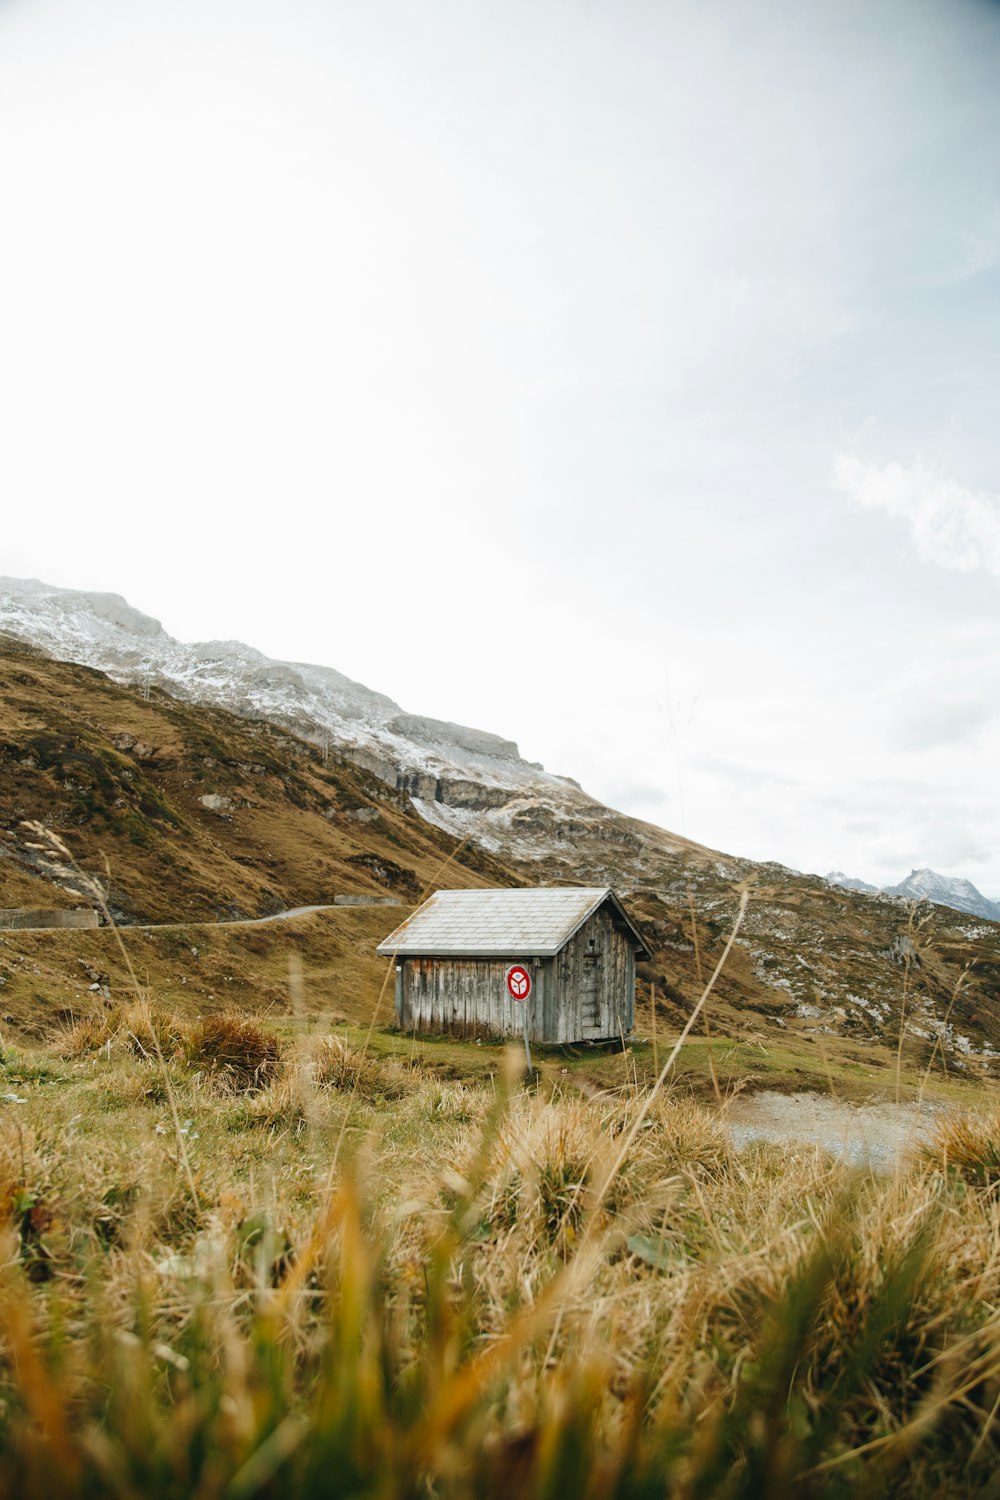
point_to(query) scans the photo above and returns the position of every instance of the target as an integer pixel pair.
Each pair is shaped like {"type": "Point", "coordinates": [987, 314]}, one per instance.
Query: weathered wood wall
{"type": "Point", "coordinates": [468, 996]}
{"type": "Point", "coordinates": [586, 993]}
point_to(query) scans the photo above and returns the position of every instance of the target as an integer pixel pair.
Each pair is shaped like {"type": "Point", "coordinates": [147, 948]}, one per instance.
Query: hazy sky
{"type": "Point", "coordinates": [618, 376]}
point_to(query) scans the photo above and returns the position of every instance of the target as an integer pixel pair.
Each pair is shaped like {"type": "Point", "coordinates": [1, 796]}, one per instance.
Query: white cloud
{"type": "Point", "coordinates": [951, 525]}
{"type": "Point", "coordinates": [938, 720]}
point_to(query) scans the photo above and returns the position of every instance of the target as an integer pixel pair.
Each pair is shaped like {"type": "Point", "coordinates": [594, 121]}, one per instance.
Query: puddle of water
{"type": "Point", "coordinates": [871, 1135]}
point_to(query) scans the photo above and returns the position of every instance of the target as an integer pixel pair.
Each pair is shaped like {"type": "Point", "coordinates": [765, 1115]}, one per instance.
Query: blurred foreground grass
{"type": "Point", "coordinates": [237, 1265]}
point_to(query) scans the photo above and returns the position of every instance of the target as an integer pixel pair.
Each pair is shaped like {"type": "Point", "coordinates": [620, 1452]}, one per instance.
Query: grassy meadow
{"type": "Point", "coordinates": [257, 1258]}
{"type": "Point", "coordinates": [256, 1242]}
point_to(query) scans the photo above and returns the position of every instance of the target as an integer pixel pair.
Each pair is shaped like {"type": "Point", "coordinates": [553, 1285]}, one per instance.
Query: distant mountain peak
{"type": "Point", "coordinates": [849, 882]}
{"type": "Point", "coordinates": [927, 885]}
{"type": "Point", "coordinates": [946, 890]}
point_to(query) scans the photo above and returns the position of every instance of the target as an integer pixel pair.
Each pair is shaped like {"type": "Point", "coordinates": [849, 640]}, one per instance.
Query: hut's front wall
{"type": "Point", "coordinates": [468, 997]}
{"type": "Point", "coordinates": [594, 991]}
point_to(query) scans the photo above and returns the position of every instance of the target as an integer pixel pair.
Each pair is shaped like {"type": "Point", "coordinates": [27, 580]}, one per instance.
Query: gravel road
{"type": "Point", "coordinates": [341, 903]}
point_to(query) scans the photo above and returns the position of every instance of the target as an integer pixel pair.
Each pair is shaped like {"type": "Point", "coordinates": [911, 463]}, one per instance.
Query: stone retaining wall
{"type": "Point", "coordinates": [365, 901]}
{"type": "Point", "coordinates": [20, 917]}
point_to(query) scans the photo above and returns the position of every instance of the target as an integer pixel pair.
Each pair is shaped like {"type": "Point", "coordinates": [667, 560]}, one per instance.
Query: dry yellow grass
{"type": "Point", "coordinates": [426, 1281]}
{"type": "Point", "coordinates": [137, 1026]}
{"type": "Point", "coordinates": [969, 1144]}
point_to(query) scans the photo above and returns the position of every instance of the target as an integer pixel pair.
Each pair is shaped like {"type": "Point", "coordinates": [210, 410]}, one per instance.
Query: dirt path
{"type": "Point", "coordinates": [867, 1135]}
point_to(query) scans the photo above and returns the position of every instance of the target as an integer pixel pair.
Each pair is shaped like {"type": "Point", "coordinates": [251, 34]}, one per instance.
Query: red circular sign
{"type": "Point", "coordinates": [518, 982]}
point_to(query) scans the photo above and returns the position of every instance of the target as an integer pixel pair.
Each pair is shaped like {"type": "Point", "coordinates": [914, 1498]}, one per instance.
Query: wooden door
{"type": "Point", "coordinates": [591, 993]}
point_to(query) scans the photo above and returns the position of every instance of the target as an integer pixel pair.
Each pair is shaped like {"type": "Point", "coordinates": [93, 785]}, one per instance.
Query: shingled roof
{"type": "Point", "coordinates": [532, 923]}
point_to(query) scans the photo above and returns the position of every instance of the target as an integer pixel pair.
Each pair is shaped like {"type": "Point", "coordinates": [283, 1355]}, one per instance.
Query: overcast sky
{"type": "Point", "coordinates": [619, 375]}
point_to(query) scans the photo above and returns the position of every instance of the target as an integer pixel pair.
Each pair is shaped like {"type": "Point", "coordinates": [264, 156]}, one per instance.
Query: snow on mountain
{"type": "Point", "coordinates": [927, 885]}
{"type": "Point", "coordinates": [106, 632]}
{"type": "Point", "coordinates": [962, 895]}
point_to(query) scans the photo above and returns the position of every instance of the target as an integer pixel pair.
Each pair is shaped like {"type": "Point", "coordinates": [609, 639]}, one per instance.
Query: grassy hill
{"type": "Point", "coordinates": [189, 814]}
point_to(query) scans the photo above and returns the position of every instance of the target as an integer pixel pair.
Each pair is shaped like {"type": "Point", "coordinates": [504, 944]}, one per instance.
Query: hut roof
{"type": "Point", "coordinates": [534, 923]}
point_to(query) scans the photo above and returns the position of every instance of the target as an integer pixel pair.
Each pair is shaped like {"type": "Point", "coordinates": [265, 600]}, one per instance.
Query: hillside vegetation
{"type": "Point", "coordinates": [191, 814]}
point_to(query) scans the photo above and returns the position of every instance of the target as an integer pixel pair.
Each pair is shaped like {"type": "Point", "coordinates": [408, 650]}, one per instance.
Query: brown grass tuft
{"type": "Point", "coordinates": [337, 1065]}
{"type": "Point", "coordinates": [967, 1143]}
{"type": "Point", "coordinates": [138, 1027]}
{"type": "Point", "coordinates": [238, 1054]}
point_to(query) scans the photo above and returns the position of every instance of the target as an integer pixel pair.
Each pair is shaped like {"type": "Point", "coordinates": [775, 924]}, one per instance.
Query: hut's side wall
{"type": "Point", "coordinates": [595, 983]}
{"type": "Point", "coordinates": [468, 997]}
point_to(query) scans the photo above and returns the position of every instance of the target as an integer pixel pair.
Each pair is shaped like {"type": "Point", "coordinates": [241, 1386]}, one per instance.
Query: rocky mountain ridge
{"type": "Point", "coordinates": [467, 782]}
{"type": "Point", "coordinates": [413, 752]}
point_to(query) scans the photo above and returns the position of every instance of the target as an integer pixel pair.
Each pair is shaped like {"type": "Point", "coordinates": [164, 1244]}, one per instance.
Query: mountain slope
{"type": "Point", "coordinates": [202, 815]}
{"type": "Point", "coordinates": [199, 813]}
{"type": "Point", "coordinates": [466, 782]}
{"type": "Point", "coordinates": [204, 812]}
{"type": "Point", "coordinates": [404, 750]}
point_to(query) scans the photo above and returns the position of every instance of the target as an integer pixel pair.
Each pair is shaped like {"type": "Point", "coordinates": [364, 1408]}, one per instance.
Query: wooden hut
{"type": "Point", "coordinates": [455, 953]}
